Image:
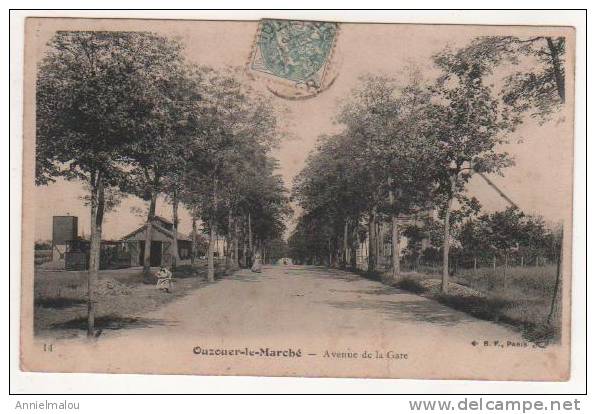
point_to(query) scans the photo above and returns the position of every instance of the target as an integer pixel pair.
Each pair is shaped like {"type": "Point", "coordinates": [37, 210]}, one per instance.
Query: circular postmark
{"type": "Point", "coordinates": [295, 58]}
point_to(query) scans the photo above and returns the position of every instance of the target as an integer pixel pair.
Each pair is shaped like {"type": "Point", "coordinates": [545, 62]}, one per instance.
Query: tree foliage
{"type": "Point", "coordinates": [538, 86]}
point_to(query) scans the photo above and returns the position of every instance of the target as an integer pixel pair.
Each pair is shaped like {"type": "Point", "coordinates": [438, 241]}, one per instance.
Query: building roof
{"type": "Point", "coordinates": [162, 219]}
{"type": "Point", "coordinates": [157, 227]}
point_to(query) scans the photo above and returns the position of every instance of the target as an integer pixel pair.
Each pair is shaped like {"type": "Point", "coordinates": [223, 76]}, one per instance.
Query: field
{"type": "Point", "coordinates": [519, 296]}
{"type": "Point", "coordinates": [122, 298]}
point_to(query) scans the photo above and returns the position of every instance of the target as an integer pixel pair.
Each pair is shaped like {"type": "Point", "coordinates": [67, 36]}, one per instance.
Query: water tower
{"type": "Point", "coordinates": [64, 228]}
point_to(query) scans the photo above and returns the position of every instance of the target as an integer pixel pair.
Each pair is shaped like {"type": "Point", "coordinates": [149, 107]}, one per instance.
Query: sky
{"type": "Point", "coordinates": [540, 182]}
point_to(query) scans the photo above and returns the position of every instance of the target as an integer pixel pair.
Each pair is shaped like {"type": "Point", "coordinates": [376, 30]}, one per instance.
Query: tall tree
{"type": "Point", "coordinates": [468, 125]}
{"type": "Point", "coordinates": [89, 96]}
{"type": "Point", "coordinates": [385, 120]}
{"type": "Point", "coordinates": [172, 185]}
{"type": "Point", "coordinates": [163, 133]}
{"type": "Point", "coordinates": [366, 115]}
{"type": "Point", "coordinates": [237, 126]}
{"type": "Point", "coordinates": [331, 186]}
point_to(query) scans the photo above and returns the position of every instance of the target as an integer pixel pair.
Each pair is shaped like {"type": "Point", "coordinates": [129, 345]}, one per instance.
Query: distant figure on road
{"type": "Point", "coordinates": [256, 266]}
{"type": "Point", "coordinates": [285, 261]}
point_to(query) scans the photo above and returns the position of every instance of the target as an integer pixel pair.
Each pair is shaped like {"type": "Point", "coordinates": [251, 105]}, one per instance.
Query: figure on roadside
{"type": "Point", "coordinates": [256, 266]}
{"type": "Point", "coordinates": [164, 280]}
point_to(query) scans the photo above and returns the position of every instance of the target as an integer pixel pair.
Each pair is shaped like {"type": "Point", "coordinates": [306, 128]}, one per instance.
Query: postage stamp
{"type": "Point", "coordinates": [295, 55]}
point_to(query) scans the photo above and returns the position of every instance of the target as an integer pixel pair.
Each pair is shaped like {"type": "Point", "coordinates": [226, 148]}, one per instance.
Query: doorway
{"type": "Point", "coordinates": [155, 258]}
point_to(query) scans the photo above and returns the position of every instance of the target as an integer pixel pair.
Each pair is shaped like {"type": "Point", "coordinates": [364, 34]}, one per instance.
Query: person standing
{"type": "Point", "coordinates": [256, 266]}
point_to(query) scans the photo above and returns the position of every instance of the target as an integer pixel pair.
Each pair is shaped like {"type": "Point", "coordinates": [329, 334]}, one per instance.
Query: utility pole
{"type": "Point", "coordinates": [502, 194]}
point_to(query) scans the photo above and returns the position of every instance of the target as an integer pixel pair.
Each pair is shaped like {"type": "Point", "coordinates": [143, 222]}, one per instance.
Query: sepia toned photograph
{"type": "Point", "coordinates": [297, 198]}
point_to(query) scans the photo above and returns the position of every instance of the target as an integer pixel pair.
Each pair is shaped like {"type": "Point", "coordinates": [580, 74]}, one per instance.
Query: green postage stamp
{"type": "Point", "coordinates": [297, 56]}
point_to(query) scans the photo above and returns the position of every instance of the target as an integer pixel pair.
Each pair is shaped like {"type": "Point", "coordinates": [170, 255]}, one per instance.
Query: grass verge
{"type": "Point", "coordinates": [123, 299]}
{"type": "Point", "coordinates": [526, 310]}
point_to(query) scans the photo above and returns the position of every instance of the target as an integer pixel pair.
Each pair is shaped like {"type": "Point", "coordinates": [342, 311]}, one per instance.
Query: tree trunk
{"type": "Point", "coordinates": [505, 270]}
{"type": "Point", "coordinates": [558, 279]}
{"type": "Point", "coordinates": [353, 249]}
{"type": "Point", "coordinates": [212, 241]}
{"type": "Point", "coordinates": [346, 259]}
{"type": "Point", "coordinates": [229, 238]}
{"type": "Point", "coordinates": [210, 254]}
{"type": "Point", "coordinates": [379, 242]}
{"type": "Point", "coordinates": [395, 236]}
{"type": "Point", "coordinates": [250, 245]}
{"type": "Point", "coordinates": [148, 236]}
{"type": "Point", "coordinates": [557, 70]}
{"type": "Point", "coordinates": [396, 257]}
{"type": "Point", "coordinates": [244, 251]}
{"type": "Point", "coordinates": [446, 233]}
{"type": "Point", "coordinates": [372, 260]}
{"type": "Point", "coordinates": [175, 255]}
{"type": "Point", "coordinates": [97, 212]}
{"type": "Point", "coordinates": [193, 248]}
{"type": "Point", "coordinates": [236, 248]}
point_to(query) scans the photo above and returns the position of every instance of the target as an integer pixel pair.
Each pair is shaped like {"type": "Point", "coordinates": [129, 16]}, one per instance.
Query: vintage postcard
{"type": "Point", "coordinates": [297, 198]}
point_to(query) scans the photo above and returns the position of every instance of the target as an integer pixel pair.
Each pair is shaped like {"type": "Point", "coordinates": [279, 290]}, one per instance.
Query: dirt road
{"type": "Point", "coordinates": [339, 323]}
{"type": "Point", "coordinates": [313, 301]}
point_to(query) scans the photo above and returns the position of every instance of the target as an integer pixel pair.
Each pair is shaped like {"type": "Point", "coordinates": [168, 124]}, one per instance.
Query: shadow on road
{"type": "Point", "coordinates": [113, 322]}
{"type": "Point", "coordinates": [246, 275]}
{"type": "Point", "coordinates": [412, 310]}
{"type": "Point", "coordinates": [381, 290]}
{"type": "Point", "coordinates": [320, 272]}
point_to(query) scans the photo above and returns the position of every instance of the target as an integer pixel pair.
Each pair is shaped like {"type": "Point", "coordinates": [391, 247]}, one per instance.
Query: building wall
{"type": "Point", "coordinates": [133, 246]}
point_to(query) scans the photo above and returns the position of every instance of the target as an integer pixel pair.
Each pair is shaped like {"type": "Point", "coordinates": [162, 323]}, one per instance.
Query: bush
{"type": "Point", "coordinates": [478, 306]}
{"type": "Point", "coordinates": [185, 271]}
{"type": "Point", "coordinates": [540, 333]}
{"type": "Point", "coordinates": [411, 285]}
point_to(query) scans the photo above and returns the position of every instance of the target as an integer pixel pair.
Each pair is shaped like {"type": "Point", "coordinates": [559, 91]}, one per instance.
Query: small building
{"type": "Point", "coordinates": [162, 243]}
